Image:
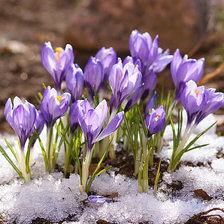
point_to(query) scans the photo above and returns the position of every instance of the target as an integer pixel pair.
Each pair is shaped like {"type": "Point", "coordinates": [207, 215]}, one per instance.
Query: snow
{"type": "Point", "coordinates": [53, 197]}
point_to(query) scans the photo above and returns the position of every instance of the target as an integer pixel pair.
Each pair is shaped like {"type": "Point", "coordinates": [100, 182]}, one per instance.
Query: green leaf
{"type": "Point", "coordinates": [197, 137]}
{"type": "Point", "coordinates": [157, 178]}
{"type": "Point", "coordinates": [11, 162]}
{"type": "Point", "coordinates": [98, 167]}
{"type": "Point", "coordinates": [43, 152]}
{"type": "Point", "coordinates": [179, 129]}
{"type": "Point", "coordinates": [104, 170]}
{"type": "Point", "coordinates": [174, 136]}
{"type": "Point", "coordinates": [11, 148]}
{"type": "Point", "coordinates": [198, 146]}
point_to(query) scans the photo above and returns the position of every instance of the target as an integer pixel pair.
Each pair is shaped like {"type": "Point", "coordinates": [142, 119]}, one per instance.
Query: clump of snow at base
{"type": "Point", "coordinates": [52, 197]}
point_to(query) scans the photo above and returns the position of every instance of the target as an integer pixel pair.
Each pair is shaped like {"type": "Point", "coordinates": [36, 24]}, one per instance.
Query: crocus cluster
{"type": "Point", "coordinates": [85, 122]}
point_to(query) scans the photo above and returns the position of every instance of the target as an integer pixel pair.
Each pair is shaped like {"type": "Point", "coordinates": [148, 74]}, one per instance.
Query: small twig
{"type": "Point", "coordinates": [213, 209]}
{"type": "Point", "coordinates": [212, 75]}
{"type": "Point", "coordinates": [222, 220]}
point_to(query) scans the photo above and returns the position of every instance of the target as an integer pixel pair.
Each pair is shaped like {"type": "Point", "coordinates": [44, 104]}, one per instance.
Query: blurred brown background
{"type": "Point", "coordinates": [195, 27]}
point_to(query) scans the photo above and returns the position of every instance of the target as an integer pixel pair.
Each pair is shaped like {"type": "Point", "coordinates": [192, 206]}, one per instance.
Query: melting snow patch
{"type": "Point", "coordinates": [52, 197]}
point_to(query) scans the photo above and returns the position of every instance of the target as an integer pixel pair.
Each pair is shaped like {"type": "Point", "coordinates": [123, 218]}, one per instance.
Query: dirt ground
{"type": "Point", "coordinates": [24, 27]}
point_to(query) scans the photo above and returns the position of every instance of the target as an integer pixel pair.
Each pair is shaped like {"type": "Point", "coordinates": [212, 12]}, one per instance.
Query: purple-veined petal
{"type": "Point", "coordinates": [111, 127]}
{"type": "Point", "coordinates": [150, 104]}
{"type": "Point", "coordinates": [134, 98]}
{"type": "Point", "coordinates": [98, 199]}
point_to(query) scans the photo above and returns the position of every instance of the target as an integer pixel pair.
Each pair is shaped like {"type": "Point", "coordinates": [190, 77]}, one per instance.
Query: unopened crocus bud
{"type": "Point", "coordinates": [74, 81]}
{"type": "Point", "coordinates": [54, 106]}
{"type": "Point", "coordinates": [155, 120]}
{"type": "Point", "coordinates": [21, 116]}
{"type": "Point", "coordinates": [57, 62]}
{"type": "Point", "coordinates": [184, 70]}
{"type": "Point", "coordinates": [93, 75]}
{"type": "Point", "coordinates": [108, 58]}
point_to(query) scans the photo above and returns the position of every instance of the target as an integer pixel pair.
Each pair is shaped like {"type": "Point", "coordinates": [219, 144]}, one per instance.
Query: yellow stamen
{"type": "Point", "coordinates": [197, 92]}
{"type": "Point", "coordinates": [106, 53]}
{"type": "Point", "coordinates": [58, 50]}
{"type": "Point", "coordinates": [123, 73]}
{"type": "Point", "coordinates": [59, 99]}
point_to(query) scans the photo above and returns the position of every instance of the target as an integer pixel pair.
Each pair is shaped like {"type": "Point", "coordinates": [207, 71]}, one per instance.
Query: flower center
{"type": "Point", "coordinates": [106, 53]}
{"type": "Point", "coordinates": [58, 50]}
{"type": "Point", "coordinates": [59, 99]}
{"type": "Point", "coordinates": [157, 117]}
{"type": "Point", "coordinates": [197, 92]}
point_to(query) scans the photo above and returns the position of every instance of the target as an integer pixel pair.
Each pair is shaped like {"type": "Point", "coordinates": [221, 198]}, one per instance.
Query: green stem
{"type": "Point", "coordinates": [146, 172]}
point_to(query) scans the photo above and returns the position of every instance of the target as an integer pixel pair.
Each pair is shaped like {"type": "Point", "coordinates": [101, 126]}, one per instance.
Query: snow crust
{"type": "Point", "coordinates": [52, 197]}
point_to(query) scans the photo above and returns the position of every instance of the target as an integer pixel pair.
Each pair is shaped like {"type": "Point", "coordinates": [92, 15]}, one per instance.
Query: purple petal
{"type": "Point", "coordinates": [93, 74]}
{"type": "Point", "coordinates": [151, 103]}
{"type": "Point", "coordinates": [98, 199]}
{"type": "Point", "coordinates": [74, 81]}
{"type": "Point", "coordinates": [111, 127]}
{"type": "Point", "coordinates": [48, 58]}
{"type": "Point", "coordinates": [134, 98]}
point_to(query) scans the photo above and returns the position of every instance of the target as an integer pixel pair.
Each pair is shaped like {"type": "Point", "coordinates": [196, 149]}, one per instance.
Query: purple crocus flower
{"type": "Point", "coordinates": [162, 60]}
{"type": "Point", "coordinates": [123, 81]}
{"type": "Point", "coordinates": [193, 99]}
{"type": "Point", "coordinates": [53, 105]}
{"type": "Point", "coordinates": [135, 61]}
{"type": "Point", "coordinates": [93, 75]}
{"type": "Point", "coordinates": [147, 50]}
{"type": "Point", "coordinates": [74, 81]}
{"type": "Point", "coordinates": [150, 104]}
{"type": "Point", "coordinates": [149, 81]}
{"type": "Point", "coordinates": [56, 63]}
{"type": "Point", "coordinates": [98, 199]}
{"type": "Point", "coordinates": [73, 116]}
{"type": "Point", "coordinates": [21, 117]}
{"type": "Point", "coordinates": [184, 69]}
{"type": "Point", "coordinates": [155, 120]}
{"type": "Point", "coordinates": [143, 47]}
{"type": "Point", "coordinates": [108, 58]}
{"type": "Point", "coordinates": [134, 98]}
{"type": "Point", "coordinates": [38, 125]}
{"type": "Point", "coordinates": [91, 121]}
{"type": "Point", "coordinates": [212, 102]}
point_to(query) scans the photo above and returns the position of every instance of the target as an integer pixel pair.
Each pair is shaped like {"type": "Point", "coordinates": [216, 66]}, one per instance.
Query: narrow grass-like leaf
{"type": "Point", "coordinates": [157, 178]}
{"type": "Point", "coordinates": [11, 148]}
{"type": "Point", "coordinates": [43, 152]}
{"type": "Point", "coordinates": [104, 170]}
{"type": "Point", "coordinates": [198, 136]}
{"type": "Point", "coordinates": [196, 147]}
{"type": "Point", "coordinates": [98, 167]}
{"type": "Point", "coordinates": [11, 162]}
